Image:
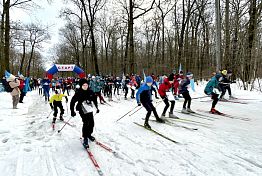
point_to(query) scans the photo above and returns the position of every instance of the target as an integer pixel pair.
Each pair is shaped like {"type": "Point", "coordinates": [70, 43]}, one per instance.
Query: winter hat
{"type": "Point", "coordinates": [82, 81]}
{"type": "Point", "coordinates": [9, 77]}
{"type": "Point", "coordinates": [224, 72]}
{"type": "Point", "coordinates": [189, 74]}
{"type": "Point", "coordinates": [149, 79]}
{"type": "Point", "coordinates": [171, 77]}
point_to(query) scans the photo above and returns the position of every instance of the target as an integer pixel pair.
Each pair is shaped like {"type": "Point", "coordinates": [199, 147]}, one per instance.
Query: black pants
{"type": "Point", "coordinates": [165, 99]}
{"type": "Point", "coordinates": [126, 90]}
{"type": "Point", "coordinates": [153, 89]}
{"type": "Point", "coordinates": [117, 86]}
{"type": "Point", "coordinates": [215, 99]}
{"type": "Point", "coordinates": [21, 96]}
{"type": "Point", "coordinates": [187, 100]}
{"type": "Point", "coordinates": [58, 104]}
{"type": "Point", "coordinates": [224, 88]}
{"type": "Point", "coordinates": [40, 91]}
{"type": "Point", "coordinates": [132, 93]}
{"type": "Point", "coordinates": [67, 91]}
{"type": "Point", "coordinates": [88, 124]}
{"type": "Point", "coordinates": [150, 107]}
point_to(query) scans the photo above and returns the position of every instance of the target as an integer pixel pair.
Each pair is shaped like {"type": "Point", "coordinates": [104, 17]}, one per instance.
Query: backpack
{"type": "Point", "coordinates": [8, 87]}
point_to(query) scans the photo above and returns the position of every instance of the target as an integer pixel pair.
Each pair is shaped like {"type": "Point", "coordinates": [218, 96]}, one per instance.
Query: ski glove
{"type": "Point", "coordinates": [97, 111]}
{"type": "Point", "coordinates": [73, 114]}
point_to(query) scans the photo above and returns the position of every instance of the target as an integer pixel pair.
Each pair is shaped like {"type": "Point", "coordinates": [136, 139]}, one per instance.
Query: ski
{"type": "Point", "coordinates": [233, 101]}
{"type": "Point", "coordinates": [230, 101]}
{"type": "Point", "coordinates": [92, 158]}
{"type": "Point", "coordinates": [188, 120]}
{"type": "Point", "coordinates": [157, 133]}
{"type": "Point", "coordinates": [107, 148]}
{"type": "Point", "coordinates": [174, 124]}
{"type": "Point", "coordinates": [202, 116]}
{"type": "Point", "coordinates": [226, 115]}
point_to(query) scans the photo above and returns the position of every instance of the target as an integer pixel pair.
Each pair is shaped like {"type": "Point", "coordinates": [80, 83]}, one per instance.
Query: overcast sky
{"type": "Point", "coordinates": [48, 15]}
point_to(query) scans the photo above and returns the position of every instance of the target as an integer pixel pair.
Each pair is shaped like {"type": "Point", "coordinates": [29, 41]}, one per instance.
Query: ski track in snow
{"type": "Point", "coordinates": [227, 146]}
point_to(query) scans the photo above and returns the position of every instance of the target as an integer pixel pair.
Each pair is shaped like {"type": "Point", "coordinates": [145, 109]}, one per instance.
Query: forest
{"type": "Point", "coordinates": [115, 37]}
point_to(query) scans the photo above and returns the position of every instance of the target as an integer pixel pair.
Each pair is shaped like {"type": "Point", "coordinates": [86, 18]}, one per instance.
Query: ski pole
{"type": "Point", "coordinates": [65, 124]}
{"type": "Point", "coordinates": [66, 108]}
{"type": "Point", "coordinates": [126, 113]}
{"type": "Point", "coordinates": [49, 114]}
{"type": "Point", "coordinates": [135, 111]}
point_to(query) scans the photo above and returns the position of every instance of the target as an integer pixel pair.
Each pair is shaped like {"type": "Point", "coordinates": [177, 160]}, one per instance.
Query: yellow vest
{"type": "Point", "coordinates": [56, 97]}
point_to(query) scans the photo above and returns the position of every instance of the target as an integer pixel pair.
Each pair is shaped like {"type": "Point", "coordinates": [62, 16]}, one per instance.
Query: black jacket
{"type": "Point", "coordinates": [81, 96]}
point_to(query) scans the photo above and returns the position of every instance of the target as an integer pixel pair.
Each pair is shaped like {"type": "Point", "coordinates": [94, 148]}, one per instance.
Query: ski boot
{"type": "Point", "coordinates": [85, 143]}
{"type": "Point", "coordinates": [54, 119]}
{"type": "Point", "coordinates": [214, 111]}
{"type": "Point", "coordinates": [190, 111]}
{"type": "Point", "coordinates": [146, 125]}
{"type": "Point", "coordinates": [163, 116]}
{"type": "Point", "coordinates": [91, 138]}
{"type": "Point", "coordinates": [184, 110]}
{"type": "Point", "coordinates": [171, 115]}
{"type": "Point", "coordinates": [160, 120]}
{"type": "Point", "coordinates": [61, 118]}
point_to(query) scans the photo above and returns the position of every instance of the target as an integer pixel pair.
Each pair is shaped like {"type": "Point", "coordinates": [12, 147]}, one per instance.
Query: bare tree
{"type": "Point", "coordinates": [36, 36]}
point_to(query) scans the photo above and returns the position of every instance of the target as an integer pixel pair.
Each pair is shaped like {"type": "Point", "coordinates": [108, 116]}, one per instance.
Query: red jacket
{"type": "Point", "coordinates": [22, 84]}
{"type": "Point", "coordinates": [163, 88]}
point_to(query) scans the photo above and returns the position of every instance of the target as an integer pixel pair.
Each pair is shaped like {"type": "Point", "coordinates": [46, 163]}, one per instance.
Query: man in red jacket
{"type": "Point", "coordinates": [163, 88]}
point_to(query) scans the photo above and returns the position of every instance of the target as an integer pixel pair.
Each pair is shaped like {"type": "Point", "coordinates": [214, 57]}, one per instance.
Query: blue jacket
{"type": "Point", "coordinates": [183, 85]}
{"type": "Point", "coordinates": [213, 83]}
{"type": "Point", "coordinates": [143, 94]}
{"type": "Point", "coordinates": [46, 83]}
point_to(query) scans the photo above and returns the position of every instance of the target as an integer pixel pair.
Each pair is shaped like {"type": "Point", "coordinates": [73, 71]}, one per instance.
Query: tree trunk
{"type": "Point", "coordinates": [7, 36]}
{"type": "Point", "coordinates": [23, 58]}
{"type": "Point", "coordinates": [227, 36]}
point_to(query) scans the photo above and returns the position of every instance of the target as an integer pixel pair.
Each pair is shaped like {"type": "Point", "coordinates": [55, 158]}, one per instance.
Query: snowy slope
{"type": "Point", "coordinates": [220, 146]}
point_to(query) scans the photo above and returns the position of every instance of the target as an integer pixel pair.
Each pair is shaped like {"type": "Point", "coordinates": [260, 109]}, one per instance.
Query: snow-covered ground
{"type": "Point", "coordinates": [220, 146]}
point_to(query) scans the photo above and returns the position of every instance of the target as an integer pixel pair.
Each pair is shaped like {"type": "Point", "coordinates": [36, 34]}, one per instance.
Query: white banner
{"type": "Point", "coordinates": [65, 67]}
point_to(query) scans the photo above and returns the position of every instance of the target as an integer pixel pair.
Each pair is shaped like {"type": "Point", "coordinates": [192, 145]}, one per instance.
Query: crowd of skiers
{"type": "Point", "coordinates": [87, 90]}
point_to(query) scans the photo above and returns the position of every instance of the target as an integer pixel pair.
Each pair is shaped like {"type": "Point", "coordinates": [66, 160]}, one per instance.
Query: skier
{"type": "Point", "coordinates": [177, 78]}
{"type": "Point", "coordinates": [126, 81]}
{"type": "Point", "coordinates": [144, 96]}
{"type": "Point", "coordinates": [183, 89]}
{"type": "Point", "coordinates": [212, 88]}
{"type": "Point", "coordinates": [56, 102]}
{"type": "Point", "coordinates": [225, 85]}
{"type": "Point", "coordinates": [46, 87]}
{"type": "Point", "coordinates": [154, 86]}
{"type": "Point", "coordinates": [163, 88]}
{"type": "Point", "coordinates": [85, 97]}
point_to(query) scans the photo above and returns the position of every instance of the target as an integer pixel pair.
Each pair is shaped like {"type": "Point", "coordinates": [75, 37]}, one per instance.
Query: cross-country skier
{"type": "Point", "coordinates": [46, 87]}
{"type": "Point", "coordinates": [144, 96]}
{"type": "Point", "coordinates": [163, 88]}
{"type": "Point", "coordinates": [225, 85]}
{"type": "Point", "coordinates": [85, 97]}
{"type": "Point", "coordinates": [212, 88]}
{"type": "Point", "coordinates": [183, 89]}
{"type": "Point", "coordinates": [56, 102]}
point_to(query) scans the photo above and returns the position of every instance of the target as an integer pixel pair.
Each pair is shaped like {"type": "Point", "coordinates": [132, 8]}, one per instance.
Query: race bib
{"type": "Point", "coordinates": [87, 107]}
